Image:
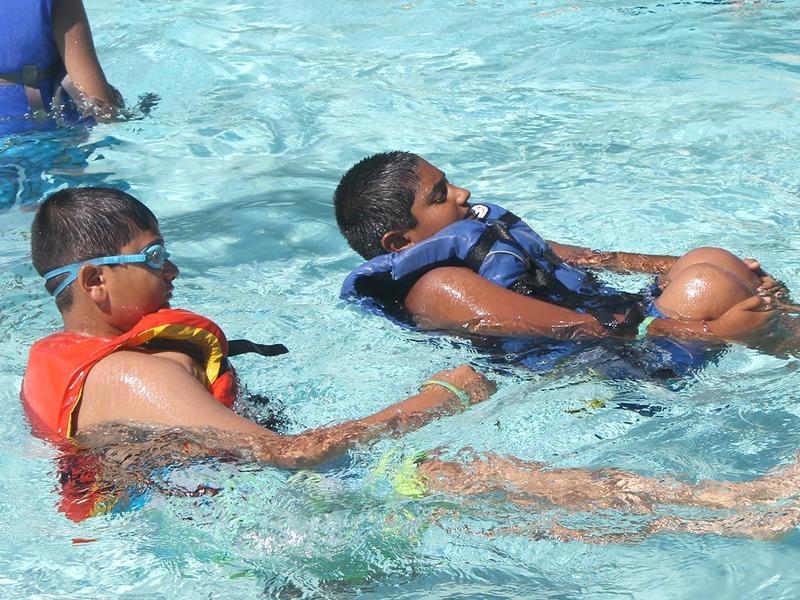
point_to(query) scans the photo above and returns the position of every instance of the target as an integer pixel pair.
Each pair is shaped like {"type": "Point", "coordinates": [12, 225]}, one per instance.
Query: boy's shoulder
{"type": "Point", "coordinates": [59, 364]}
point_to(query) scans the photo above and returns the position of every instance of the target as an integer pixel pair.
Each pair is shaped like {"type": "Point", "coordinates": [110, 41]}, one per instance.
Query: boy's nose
{"type": "Point", "coordinates": [170, 270]}
{"type": "Point", "coordinates": [463, 195]}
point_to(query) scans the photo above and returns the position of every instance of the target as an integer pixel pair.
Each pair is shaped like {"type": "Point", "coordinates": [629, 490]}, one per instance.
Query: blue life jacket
{"type": "Point", "coordinates": [30, 65]}
{"type": "Point", "coordinates": [498, 246]}
{"type": "Point", "coordinates": [506, 251]}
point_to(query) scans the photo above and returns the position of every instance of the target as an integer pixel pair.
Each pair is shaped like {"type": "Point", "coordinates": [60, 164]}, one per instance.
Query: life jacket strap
{"type": "Point", "coordinates": [237, 347]}
{"type": "Point", "coordinates": [497, 230]}
{"type": "Point", "coordinates": [534, 281]}
{"type": "Point", "coordinates": [629, 324]}
{"type": "Point", "coordinates": [29, 78]}
{"type": "Point", "coordinates": [538, 283]}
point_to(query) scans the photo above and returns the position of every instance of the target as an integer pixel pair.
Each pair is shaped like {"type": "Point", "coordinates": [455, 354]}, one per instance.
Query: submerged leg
{"type": "Point", "coordinates": [771, 524]}
{"type": "Point", "coordinates": [767, 525]}
{"type": "Point", "coordinates": [528, 482]}
{"type": "Point", "coordinates": [778, 483]}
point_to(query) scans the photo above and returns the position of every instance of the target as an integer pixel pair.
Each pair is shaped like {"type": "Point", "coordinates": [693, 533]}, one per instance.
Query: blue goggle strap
{"type": "Point", "coordinates": [122, 259]}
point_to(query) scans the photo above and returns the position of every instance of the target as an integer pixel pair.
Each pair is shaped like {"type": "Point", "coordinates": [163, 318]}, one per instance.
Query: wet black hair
{"type": "Point", "coordinates": [375, 197]}
{"type": "Point", "coordinates": [77, 224]}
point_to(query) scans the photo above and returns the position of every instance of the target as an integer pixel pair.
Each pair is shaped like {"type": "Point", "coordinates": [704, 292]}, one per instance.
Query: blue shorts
{"type": "Point", "coordinates": [650, 294]}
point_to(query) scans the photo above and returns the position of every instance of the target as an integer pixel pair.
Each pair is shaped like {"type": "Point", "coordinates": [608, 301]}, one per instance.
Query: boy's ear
{"type": "Point", "coordinates": [394, 241]}
{"type": "Point", "coordinates": [91, 282]}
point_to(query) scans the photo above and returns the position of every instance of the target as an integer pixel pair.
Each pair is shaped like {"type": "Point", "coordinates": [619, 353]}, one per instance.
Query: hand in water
{"type": "Point", "coordinates": [748, 320]}
{"type": "Point", "coordinates": [769, 285]}
{"type": "Point", "coordinates": [468, 379]}
{"type": "Point", "coordinates": [147, 102]}
{"type": "Point", "coordinates": [103, 112]}
{"type": "Point", "coordinates": [115, 110]}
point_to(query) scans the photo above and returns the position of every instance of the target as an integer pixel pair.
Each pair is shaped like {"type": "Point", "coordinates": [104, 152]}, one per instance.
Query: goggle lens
{"type": "Point", "coordinates": [156, 256]}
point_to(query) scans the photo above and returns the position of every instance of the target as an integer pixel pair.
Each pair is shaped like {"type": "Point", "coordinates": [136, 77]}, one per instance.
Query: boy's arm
{"type": "Point", "coordinates": [613, 261]}
{"type": "Point", "coordinates": [456, 298]}
{"type": "Point", "coordinates": [73, 38]}
{"type": "Point", "coordinates": [155, 390]}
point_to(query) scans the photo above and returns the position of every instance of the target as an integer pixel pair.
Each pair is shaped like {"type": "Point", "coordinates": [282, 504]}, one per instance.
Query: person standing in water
{"type": "Point", "coordinates": [46, 49]}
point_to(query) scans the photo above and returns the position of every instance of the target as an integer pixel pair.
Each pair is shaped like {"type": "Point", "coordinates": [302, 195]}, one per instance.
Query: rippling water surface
{"type": "Point", "coordinates": [654, 127]}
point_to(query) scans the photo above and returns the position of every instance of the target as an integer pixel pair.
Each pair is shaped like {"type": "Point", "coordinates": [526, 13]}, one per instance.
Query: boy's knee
{"type": "Point", "coordinates": [705, 270]}
{"type": "Point", "coordinates": [709, 254]}
{"type": "Point", "coordinates": [702, 291]}
{"type": "Point", "coordinates": [703, 253]}
{"type": "Point", "coordinates": [717, 257]}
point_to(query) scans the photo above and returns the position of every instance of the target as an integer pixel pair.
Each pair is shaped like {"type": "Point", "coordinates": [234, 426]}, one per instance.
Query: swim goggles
{"type": "Point", "coordinates": [154, 256]}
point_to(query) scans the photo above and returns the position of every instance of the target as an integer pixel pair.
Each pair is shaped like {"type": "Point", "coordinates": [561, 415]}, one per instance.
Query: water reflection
{"type": "Point", "coordinates": [37, 163]}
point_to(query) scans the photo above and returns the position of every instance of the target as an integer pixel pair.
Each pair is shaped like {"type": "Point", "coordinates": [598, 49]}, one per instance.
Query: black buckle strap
{"type": "Point", "coordinates": [534, 281]}
{"type": "Point", "coordinates": [629, 323]}
{"type": "Point", "coordinates": [496, 230]}
{"type": "Point", "coordinates": [237, 347]}
{"type": "Point", "coordinates": [29, 79]}
{"type": "Point", "coordinates": [509, 219]}
{"type": "Point", "coordinates": [537, 283]}
{"type": "Point", "coordinates": [28, 73]}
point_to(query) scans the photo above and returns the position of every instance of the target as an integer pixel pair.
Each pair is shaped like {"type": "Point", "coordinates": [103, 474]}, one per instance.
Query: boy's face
{"type": "Point", "coordinates": [437, 203]}
{"type": "Point", "coordinates": [135, 290]}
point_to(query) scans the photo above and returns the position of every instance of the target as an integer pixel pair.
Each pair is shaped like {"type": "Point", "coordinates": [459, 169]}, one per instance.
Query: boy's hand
{"type": "Point", "coordinates": [748, 320]}
{"type": "Point", "coordinates": [768, 285]}
{"type": "Point", "coordinates": [468, 379]}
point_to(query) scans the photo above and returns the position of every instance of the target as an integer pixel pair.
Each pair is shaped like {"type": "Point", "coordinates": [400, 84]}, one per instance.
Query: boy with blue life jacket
{"type": "Point", "coordinates": [436, 261]}
{"type": "Point", "coordinates": [46, 48]}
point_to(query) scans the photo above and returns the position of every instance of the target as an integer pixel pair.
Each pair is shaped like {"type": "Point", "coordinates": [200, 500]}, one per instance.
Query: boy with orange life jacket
{"type": "Point", "coordinates": [126, 356]}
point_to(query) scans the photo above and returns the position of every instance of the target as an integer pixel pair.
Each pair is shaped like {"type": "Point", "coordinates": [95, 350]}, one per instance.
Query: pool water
{"type": "Point", "coordinates": [647, 126]}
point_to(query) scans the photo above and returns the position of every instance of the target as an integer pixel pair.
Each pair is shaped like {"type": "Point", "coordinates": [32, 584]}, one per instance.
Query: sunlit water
{"type": "Point", "coordinates": [650, 127]}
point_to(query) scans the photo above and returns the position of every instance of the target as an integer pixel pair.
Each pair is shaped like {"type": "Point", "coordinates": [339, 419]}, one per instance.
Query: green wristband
{"type": "Point", "coordinates": [641, 333]}
{"type": "Point", "coordinates": [459, 393]}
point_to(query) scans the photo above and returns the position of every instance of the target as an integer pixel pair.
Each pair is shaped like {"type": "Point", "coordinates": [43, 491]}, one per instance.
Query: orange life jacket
{"type": "Point", "coordinates": [59, 364]}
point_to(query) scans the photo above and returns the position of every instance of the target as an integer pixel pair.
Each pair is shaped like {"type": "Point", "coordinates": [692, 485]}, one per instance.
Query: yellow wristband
{"type": "Point", "coordinates": [459, 393]}
{"type": "Point", "coordinates": [641, 333]}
